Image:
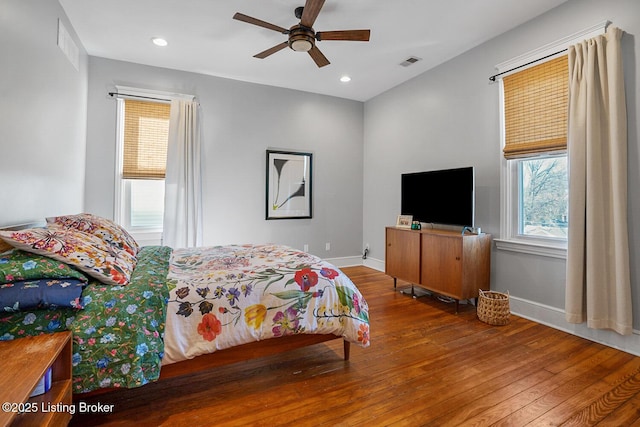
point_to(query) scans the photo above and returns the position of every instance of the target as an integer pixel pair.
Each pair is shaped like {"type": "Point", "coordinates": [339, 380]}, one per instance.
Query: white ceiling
{"type": "Point", "coordinates": [203, 37]}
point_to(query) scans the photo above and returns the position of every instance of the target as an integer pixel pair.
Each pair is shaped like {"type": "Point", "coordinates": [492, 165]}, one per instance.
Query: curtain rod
{"type": "Point", "coordinates": [116, 94]}
{"type": "Point", "coordinates": [493, 78]}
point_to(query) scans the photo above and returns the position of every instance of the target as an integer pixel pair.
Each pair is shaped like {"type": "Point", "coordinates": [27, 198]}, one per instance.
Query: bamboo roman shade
{"type": "Point", "coordinates": [535, 109]}
{"type": "Point", "coordinates": [146, 132]}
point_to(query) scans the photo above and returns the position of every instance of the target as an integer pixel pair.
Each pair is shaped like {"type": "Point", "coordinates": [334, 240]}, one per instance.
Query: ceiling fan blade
{"type": "Point", "coordinates": [310, 12]}
{"type": "Point", "coordinates": [318, 57]}
{"type": "Point", "coordinates": [244, 18]}
{"type": "Point", "coordinates": [271, 51]}
{"type": "Point", "coordinates": [349, 35]}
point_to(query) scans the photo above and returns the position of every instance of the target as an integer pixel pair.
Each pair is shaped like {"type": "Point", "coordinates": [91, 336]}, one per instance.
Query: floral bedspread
{"type": "Point", "coordinates": [117, 337]}
{"type": "Point", "coordinates": [230, 295]}
{"type": "Point", "coordinates": [212, 298]}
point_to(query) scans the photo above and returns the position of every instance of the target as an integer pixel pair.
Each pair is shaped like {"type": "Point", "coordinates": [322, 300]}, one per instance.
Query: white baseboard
{"type": "Point", "coordinates": [354, 261]}
{"type": "Point", "coordinates": [348, 261]}
{"type": "Point", "coordinates": [540, 313]}
{"type": "Point", "coordinates": [376, 264]}
{"type": "Point", "coordinates": [555, 318]}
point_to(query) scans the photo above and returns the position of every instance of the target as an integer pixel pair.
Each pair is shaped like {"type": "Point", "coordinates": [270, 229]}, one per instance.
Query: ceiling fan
{"type": "Point", "coordinates": [302, 37]}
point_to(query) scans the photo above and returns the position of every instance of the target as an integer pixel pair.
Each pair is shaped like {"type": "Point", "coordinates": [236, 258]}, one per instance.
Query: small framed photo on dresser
{"type": "Point", "coordinates": [404, 221]}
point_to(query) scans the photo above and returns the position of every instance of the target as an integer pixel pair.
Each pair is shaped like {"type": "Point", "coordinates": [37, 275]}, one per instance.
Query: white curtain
{"type": "Point", "coordinates": [183, 180]}
{"type": "Point", "coordinates": [598, 277]}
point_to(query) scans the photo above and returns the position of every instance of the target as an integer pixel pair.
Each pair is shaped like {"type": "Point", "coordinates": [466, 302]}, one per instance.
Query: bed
{"type": "Point", "coordinates": [139, 314]}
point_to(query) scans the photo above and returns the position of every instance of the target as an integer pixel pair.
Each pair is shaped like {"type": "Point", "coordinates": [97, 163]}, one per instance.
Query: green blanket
{"type": "Point", "coordinates": [118, 336]}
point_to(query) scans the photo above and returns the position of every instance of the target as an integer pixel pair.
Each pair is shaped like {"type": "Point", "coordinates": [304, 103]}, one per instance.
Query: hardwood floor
{"type": "Point", "coordinates": [425, 366]}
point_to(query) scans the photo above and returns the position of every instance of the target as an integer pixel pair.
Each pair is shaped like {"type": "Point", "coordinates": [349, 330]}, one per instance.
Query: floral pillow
{"type": "Point", "coordinates": [84, 251]}
{"type": "Point", "coordinates": [37, 294]}
{"type": "Point", "coordinates": [103, 228]}
{"type": "Point", "coordinates": [18, 265]}
{"type": "Point", "coordinates": [30, 281]}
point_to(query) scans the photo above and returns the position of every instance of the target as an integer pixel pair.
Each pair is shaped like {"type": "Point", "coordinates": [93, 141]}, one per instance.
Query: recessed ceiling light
{"type": "Point", "coordinates": [158, 41]}
{"type": "Point", "coordinates": [345, 79]}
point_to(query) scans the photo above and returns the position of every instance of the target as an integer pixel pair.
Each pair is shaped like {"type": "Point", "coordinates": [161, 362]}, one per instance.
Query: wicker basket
{"type": "Point", "coordinates": [493, 307]}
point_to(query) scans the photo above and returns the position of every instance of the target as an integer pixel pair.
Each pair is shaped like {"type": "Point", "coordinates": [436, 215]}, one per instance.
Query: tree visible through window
{"type": "Point", "coordinates": [543, 197]}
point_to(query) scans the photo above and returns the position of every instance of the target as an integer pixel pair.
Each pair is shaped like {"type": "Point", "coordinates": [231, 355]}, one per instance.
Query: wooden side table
{"type": "Point", "coordinates": [23, 362]}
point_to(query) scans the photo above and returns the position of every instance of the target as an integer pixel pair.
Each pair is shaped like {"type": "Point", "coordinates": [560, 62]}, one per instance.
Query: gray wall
{"type": "Point", "coordinates": [240, 121]}
{"type": "Point", "coordinates": [449, 117]}
{"type": "Point", "coordinates": [43, 105]}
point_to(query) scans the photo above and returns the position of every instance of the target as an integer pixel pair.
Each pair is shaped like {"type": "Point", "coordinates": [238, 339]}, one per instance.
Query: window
{"type": "Point", "coordinates": [142, 156]}
{"type": "Point", "coordinates": [535, 179]}
{"type": "Point", "coordinates": [542, 186]}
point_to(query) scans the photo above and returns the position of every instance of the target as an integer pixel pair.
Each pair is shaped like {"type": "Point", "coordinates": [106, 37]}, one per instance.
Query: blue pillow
{"type": "Point", "coordinates": [41, 294]}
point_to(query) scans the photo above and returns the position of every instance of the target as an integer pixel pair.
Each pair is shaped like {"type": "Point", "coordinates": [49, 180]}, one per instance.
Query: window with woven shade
{"type": "Point", "coordinates": [146, 131]}
{"type": "Point", "coordinates": [535, 109]}
{"type": "Point", "coordinates": [534, 180]}
{"type": "Point", "coordinates": [141, 146]}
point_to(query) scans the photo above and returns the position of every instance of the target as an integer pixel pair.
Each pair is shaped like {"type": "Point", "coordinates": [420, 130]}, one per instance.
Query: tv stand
{"type": "Point", "coordinates": [444, 262]}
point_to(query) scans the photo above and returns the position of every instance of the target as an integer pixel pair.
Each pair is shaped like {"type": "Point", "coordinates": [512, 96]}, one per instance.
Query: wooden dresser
{"type": "Point", "coordinates": [445, 262]}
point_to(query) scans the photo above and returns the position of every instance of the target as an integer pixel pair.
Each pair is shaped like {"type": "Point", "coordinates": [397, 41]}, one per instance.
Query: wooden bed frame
{"type": "Point", "coordinates": [247, 352]}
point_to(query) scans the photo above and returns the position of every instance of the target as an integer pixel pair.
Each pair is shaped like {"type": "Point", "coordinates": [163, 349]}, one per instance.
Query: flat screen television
{"type": "Point", "coordinates": [444, 196]}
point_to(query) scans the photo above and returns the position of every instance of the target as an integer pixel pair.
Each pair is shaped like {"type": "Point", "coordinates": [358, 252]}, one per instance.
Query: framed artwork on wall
{"type": "Point", "coordinates": [289, 185]}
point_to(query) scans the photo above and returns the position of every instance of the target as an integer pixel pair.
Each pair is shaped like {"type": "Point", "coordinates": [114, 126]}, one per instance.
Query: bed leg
{"type": "Point", "coordinates": [347, 349]}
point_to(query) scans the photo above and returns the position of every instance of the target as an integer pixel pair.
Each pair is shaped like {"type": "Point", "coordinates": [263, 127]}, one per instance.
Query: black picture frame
{"type": "Point", "coordinates": [289, 192]}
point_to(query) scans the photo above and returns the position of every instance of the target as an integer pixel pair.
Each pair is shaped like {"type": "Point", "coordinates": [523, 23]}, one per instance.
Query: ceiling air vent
{"type": "Point", "coordinates": [409, 61]}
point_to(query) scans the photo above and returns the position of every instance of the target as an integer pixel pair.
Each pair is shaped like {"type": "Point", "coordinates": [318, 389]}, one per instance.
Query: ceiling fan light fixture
{"type": "Point", "coordinates": [301, 45]}
{"type": "Point", "coordinates": [301, 39]}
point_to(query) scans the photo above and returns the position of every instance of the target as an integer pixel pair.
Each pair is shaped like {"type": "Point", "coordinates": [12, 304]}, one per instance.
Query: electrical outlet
{"type": "Point", "coordinates": [327, 246]}
{"type": "Point", "coordinates": [306, 247]}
